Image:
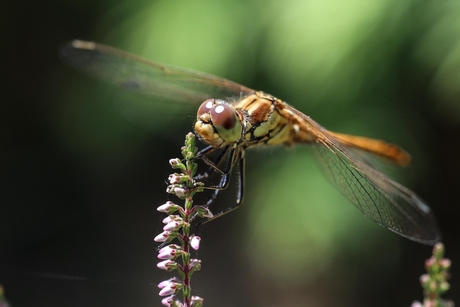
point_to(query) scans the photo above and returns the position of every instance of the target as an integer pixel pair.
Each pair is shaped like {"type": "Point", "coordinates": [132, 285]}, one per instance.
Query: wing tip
{"type": "Point", "coordinates": [431, 238]}
{"type": "Point", "coordinates": [80, 44]}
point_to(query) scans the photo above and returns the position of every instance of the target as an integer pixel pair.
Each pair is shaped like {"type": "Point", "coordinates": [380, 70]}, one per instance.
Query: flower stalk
{"type": "Point", "coordinates": [435, 283]}
{"type": "Point", "coordinates": [177, 257]}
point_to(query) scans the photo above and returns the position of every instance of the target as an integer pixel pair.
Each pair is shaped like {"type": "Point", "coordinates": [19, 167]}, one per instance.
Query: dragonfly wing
{"type": "Point", "coordinates": [379, 198]}
{"type": "Point", "coordinates": [158, 89]}
{"type": "Point", "coordinates": [376, 196]}
{"type": "Point", "coordinates": [161, 82]}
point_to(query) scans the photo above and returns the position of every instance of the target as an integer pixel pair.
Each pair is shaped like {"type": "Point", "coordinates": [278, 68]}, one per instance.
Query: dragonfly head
{"type": "Point", "coordinates": [218, 123]}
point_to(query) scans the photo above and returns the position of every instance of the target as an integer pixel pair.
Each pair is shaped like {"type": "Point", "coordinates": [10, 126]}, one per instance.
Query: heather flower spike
{"type": "Point", "coordinates": [176, 257]}
{"type": "Point", "coordinates": [435, 282]}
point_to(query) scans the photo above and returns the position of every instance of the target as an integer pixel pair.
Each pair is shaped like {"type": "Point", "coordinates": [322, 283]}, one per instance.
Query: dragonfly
{"type": "Point", "coordinates": [232, 118]}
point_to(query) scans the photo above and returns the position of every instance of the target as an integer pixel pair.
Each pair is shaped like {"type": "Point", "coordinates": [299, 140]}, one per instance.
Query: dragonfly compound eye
{"type": "Point", "coordinates": [205, 107]}
{"type": "Point", "coordinates": [226, 122]}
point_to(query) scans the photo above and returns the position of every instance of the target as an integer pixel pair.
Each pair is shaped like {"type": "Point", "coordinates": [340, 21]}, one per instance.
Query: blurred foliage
{"type": "Point", "coordinates": [345, 61]}
{"type": "Point", "coordinates": [373, 68]}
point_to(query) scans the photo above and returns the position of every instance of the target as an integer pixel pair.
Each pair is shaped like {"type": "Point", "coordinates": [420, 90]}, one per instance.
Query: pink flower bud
{"type": "Point", "coordinates": [195, 242]}
{"type": "Point", "coordinates": [167, 265]}
{"type": "Point", "coordinates": [438, 250]}
{"type": "Point", "coordinates": [167, 255]}
{"type": "Point", "coordinates": [424, 279]}
{"type": "Point", "coordinates": [172, 226]}
{"type": "Point", "coordinates": [195, 264]}
{"type": "Point", "coordinates": [169, 252]}
{"type": "Point", "coordinates": [167, 220]}
{"type": "Point", "coordinates": [175, 162]}
{"type": "Point", "coordinates": [163, 237]}
{"type": "Point", "coordinates": [170, 246]}
{"type": "Point", "coordinates": [203, 211]}
{"type": "Point", "coordinates": [168, 301]}
{"type": "Point", "coordinates": [430, 262]}
{"type": "Point", "coordinates": [168, 290]}
{"type": "Point", "coordinates": [179, 192]}
{"type": "Point", "coordinates": [174, 179]}
{"type": "Point", "coordinates": [445, 263]}
{"type": "Point", "coordinates": [170, 189]}
{"type": "Point", "coordinates": [164, 283]}
{"type": "Point", "coordinates": [197, 301]}
{"type": "Point", "coordinates": [168, 207]}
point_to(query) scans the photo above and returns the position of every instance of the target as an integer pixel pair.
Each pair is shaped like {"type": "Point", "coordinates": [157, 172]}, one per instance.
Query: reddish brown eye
{"type": "Point", "coordinates": [223, 116]}
{"type": "Point", "coordinates": [205, 107]}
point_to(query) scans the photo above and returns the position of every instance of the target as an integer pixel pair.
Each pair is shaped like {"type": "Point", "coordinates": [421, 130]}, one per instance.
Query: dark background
{"type": "Point", "coordinates": [79, 184]}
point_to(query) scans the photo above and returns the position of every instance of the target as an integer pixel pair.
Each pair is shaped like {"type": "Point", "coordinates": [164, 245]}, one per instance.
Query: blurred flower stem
{"type": "Point", "coordinates": [435, 282]}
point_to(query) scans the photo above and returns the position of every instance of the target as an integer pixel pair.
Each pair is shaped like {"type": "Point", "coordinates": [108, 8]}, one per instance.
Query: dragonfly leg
{"type": "Point", "coordinates": [212, 164]}
{"type": "Point", "coordinates": [223, 184]}
{"type": "Point", "coordinates": [233, 157]}
{"type": "Point", "coordinates": [225, 179]}
{"type": "Point", "coordinates": [240, 195]}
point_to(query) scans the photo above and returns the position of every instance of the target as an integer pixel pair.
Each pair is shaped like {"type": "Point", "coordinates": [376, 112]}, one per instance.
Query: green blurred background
{"type": "Point", "coordinates": [80, 184]}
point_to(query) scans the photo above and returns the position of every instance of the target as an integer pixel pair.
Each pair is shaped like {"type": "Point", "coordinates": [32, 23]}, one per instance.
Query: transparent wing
{"type": "Point", "coordinates": [379, 198]}
{"type": "Point", "coordinates": [160, 86]}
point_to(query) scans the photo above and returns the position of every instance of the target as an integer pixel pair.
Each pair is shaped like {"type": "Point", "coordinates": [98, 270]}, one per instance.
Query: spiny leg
{"type": "Point", "coordinates": [213, 165]}
{"type": "Point", "coordinates": [225, 178]}
{"type": "Point", "coordinates": [240, 194]}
